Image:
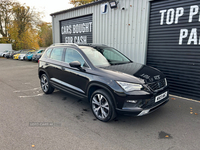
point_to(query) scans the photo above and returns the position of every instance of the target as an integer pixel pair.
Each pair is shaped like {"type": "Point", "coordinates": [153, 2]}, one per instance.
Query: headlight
{"type": "Point", "coordinates": [130, 86]}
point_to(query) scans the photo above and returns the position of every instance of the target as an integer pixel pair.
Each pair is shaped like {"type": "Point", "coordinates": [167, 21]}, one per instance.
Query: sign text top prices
{"type": "Point", "coordinates": [173, 15]}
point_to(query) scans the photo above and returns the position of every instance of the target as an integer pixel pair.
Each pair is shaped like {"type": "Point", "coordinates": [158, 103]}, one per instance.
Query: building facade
{"type": "Point", "coordinates": [124, 28]}
{"type": "Point", "coordinates": [160, 33]}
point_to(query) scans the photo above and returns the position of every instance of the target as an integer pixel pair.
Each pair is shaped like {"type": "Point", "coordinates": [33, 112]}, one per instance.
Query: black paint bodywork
{"type": "Point", "coordinates": [82, 82]}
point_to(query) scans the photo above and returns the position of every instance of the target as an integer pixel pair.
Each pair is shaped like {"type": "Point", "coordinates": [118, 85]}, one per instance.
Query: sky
{"type": "Point", "coordinates": [47, 7]}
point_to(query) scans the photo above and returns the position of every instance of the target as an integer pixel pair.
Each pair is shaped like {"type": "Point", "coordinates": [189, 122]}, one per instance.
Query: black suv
{"type": "Point", "coordinates": [110, 81]}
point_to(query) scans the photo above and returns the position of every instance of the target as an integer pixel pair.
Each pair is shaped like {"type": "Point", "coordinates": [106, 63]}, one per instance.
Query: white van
{"type": "Point", "coordinates": [4, 48]}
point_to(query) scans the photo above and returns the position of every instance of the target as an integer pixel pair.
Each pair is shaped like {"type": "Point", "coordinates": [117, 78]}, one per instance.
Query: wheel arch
{"type": "Point", "coordinates": [95, 86]}
{"type": "Point", "coordinates": [40, 72]}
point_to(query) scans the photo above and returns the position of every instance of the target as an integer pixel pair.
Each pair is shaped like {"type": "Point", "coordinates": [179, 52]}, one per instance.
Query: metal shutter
{"type": "Point", "coordinates": [174, 44]}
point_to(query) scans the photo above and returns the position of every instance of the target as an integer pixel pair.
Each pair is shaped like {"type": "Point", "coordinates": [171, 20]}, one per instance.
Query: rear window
{"type": "Point", "coordinates": [48, 52]}
{"type": "Point", "coordinates": [57, 54]}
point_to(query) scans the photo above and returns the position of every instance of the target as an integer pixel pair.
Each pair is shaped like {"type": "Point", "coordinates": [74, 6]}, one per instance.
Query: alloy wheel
{"type": "Point", "coordinates": [44, 83]}
{"type": "Point", "coordinates": [100, 106]}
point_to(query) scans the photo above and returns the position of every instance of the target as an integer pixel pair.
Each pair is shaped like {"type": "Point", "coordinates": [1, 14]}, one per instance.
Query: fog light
{"type": "Point", "coordinates": [144, 112]}
{"type": "Point", "coordinates": [132, 101]}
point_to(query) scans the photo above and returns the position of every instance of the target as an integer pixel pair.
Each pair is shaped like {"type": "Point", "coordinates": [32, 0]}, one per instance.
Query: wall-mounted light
{"type": "Point", "coordinates": [113, 4]}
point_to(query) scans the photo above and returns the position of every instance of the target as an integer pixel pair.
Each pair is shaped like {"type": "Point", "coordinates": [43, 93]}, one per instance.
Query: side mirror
{"type": "Point", "coordinates": [76, 64]}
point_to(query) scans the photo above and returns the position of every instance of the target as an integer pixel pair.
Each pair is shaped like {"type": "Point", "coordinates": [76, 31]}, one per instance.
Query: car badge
{"type": "Point", "coordinates": [157, 77]}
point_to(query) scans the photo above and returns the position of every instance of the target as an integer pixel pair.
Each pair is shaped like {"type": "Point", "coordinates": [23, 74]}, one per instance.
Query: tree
{"type": "Point", "coordinates": [45, 34]}
{"type": "Point", "coordinates": [24, 22]}
{"type": "Point", "coordinates": [18, 25]}
{"type": "Point", "coordinates": [23, 40]}
{"type": "Point", "coordinates": [80, 2]}
{"type": "Point", "coordinates": [5, 18]}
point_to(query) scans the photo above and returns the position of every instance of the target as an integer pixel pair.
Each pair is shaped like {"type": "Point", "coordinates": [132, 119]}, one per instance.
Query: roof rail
{"type": "Point", "coordinates": [94, 44]}
{"type": "Point", "coordinates": [64, 44]}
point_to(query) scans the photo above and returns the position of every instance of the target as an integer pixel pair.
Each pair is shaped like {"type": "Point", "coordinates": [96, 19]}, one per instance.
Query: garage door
{"type": "Point", "coordinates": [174, 44]}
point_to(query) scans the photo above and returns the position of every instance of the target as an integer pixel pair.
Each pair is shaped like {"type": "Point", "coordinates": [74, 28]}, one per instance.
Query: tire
{"type": "Point", "coordinates": [45, 85]}
{"type": "Point", "coordinates": [102, 106]}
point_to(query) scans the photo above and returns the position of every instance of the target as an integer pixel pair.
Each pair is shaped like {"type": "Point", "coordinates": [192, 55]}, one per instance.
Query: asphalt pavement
{"type": "Point", "coordinates": [30, 119]}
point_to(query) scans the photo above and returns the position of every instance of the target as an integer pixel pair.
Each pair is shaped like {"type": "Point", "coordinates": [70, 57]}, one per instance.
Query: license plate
{"type": "Point", "coordinates": [160, 97]}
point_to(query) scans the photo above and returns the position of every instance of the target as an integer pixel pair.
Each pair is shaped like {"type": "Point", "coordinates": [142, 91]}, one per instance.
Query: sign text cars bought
{"type": "Point", "coordinates": [77, 30]}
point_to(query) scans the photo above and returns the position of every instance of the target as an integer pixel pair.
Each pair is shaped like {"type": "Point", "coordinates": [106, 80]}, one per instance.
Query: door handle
{"type": "Point", "coordinates": [46, 64]}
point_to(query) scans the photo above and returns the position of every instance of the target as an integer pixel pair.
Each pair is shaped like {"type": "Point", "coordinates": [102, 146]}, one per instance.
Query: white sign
{"type": "Point", "coordinates": [104, 8]}
{"type": "Point", "coordinates": [76, 29]}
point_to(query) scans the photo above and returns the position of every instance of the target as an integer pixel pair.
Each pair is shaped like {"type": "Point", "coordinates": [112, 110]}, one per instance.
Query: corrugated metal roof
{"type": "Point", "coordinates": [82, 6]}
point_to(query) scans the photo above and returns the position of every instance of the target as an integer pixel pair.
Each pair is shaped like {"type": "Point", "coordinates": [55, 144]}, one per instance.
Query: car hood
{"type": "Point", "coordinates": [134, 72]}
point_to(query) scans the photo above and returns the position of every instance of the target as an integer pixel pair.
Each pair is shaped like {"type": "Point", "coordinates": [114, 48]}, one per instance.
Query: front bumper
{"type": "Point", "coordinates": [20, 58]}
{"type": "Point", "coordinates": [144, 104]}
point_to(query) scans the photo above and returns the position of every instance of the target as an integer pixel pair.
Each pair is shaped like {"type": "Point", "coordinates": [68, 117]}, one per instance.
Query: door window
{"type": "Point", "coordinates": [72, 55]}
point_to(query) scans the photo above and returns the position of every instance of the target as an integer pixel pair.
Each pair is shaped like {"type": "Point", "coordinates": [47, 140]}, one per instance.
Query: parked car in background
{"type": "Point", "coordinates": [7, 55]}
{"type": "Point", "coordinates": [16, 56]}
{"type": "Point", "coordinates": [30, 56]}
{"type": "Point", "coordinates": [37, 56]}
{"type": "Point", "coordinates": [14, 53]}
{"type": "Point", "coordinates": [24, 53]}
{"type": "Point", "coordinates": [4, 53]}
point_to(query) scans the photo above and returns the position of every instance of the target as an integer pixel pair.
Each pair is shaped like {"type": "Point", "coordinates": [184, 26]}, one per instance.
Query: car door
{"type": "Point", "coordinates": [53, 65]}
{"type": "Point", "coordinates": [74, 79]}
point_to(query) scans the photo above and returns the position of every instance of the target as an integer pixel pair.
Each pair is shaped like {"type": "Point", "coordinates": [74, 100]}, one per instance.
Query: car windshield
{"type": "Point", "coordinates": [105, 56]}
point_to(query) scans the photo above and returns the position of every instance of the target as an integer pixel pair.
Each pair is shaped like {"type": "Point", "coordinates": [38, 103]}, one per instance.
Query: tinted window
{"type": "Point", "coordinates": [56, 54]}
{"type": "Point", "coordinates": [72, 55]}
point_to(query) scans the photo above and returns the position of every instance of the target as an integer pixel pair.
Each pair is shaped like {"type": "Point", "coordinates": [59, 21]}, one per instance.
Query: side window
{"type": "Point", "coordinates": [56, 54]}
{"type": "Point", "coordinates": [73, 55]}
{"type": "Point", "coordinates": [48, 53]}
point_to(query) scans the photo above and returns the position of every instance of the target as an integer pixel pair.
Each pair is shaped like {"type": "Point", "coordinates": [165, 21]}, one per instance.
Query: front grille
{"type": "Point", "coordinates": [156, 86]}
